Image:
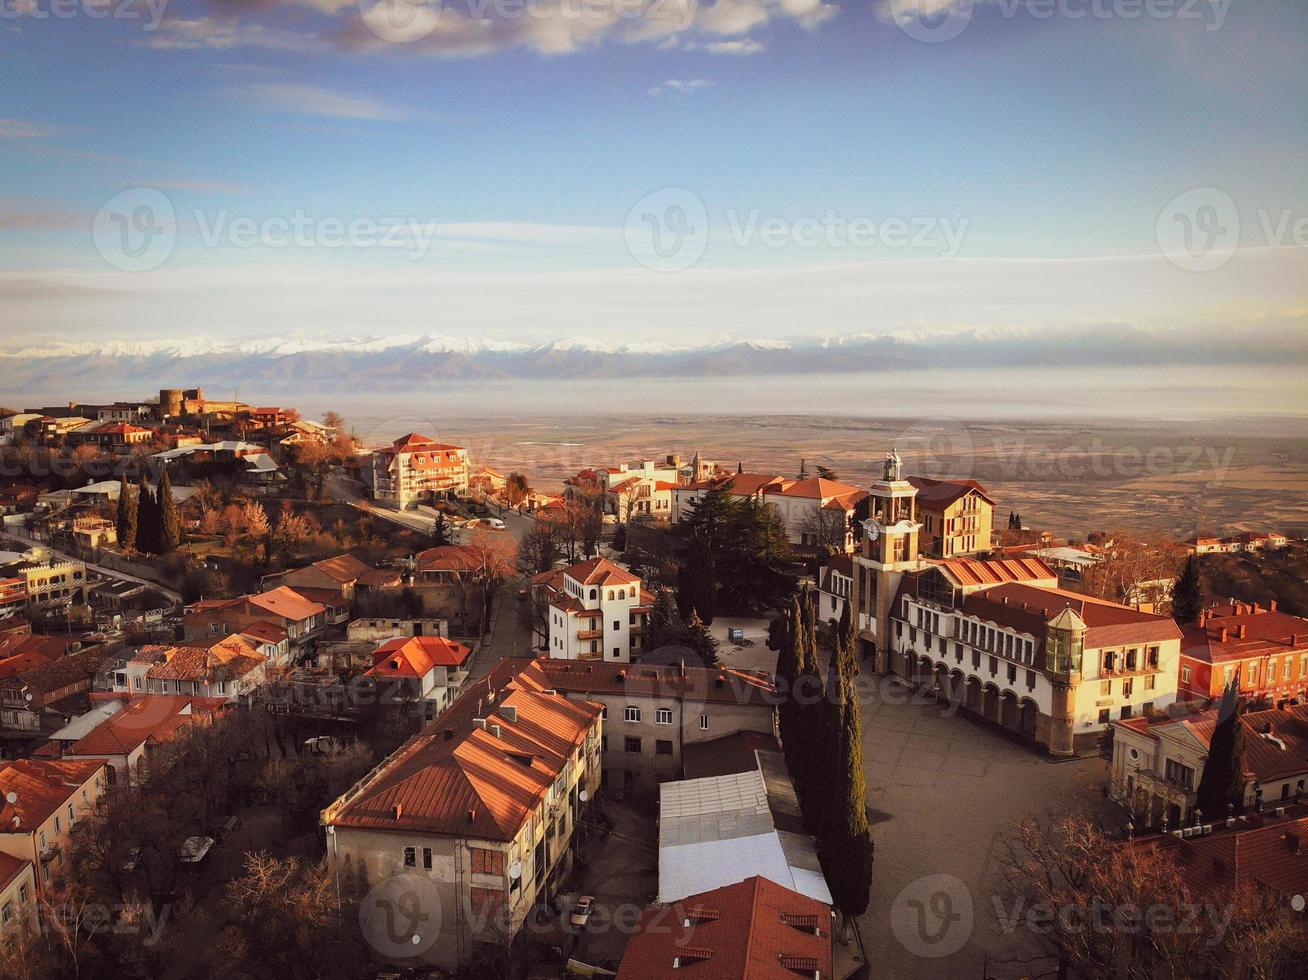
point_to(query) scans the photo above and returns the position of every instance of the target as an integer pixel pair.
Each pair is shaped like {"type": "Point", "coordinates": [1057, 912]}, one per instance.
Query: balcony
{"type": "Point", "coordinates": [49, 853]}
{"type": "Point", "coordinates": [589, 634]}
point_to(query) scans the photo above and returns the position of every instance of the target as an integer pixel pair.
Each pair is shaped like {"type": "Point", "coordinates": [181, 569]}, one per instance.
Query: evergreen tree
{"type": "Point", "coordinates": [1188, 596]}
{"type": "Point", "coordinates": [826, 473]}
{"type": "Point", "coordinates": [808, 715]}
{"type": "Point", "coordinates": [787, 674]}
{"type": "Point", "coordinates": [696, 585]}
{"type": "Point", "coordinates": [619, 542]}
{"type": "Point", "coordinates": [699, 639]}
{"type": "Point", "coordinates": [440, 530]}
{"type": "Point", "coordinates": [126, 519]}
{"type": "Point", "coordinates": [1011, 518]}
{"type": "Point", "coordinates": [664, 627]}
{"type": "Point", "coordinates": [1222, 782]}
{"type": "Point", "coordinates": [845, 844]}
{"type": "Point", "coordinates": [803, 469]}
{"type": "Point", "coordinates": [170, 525]}
{"type": "Point", "coordinates": [146, 518]}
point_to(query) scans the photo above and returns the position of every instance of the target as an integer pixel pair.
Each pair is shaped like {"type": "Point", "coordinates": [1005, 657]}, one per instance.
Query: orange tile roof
{"type": "Point", "coordinates": [41, 787]}
{"type": "Point", "coordinates": [415, 656]}
{"type": "Point", "coordinates": [743, 484]}
{"type": "Point", "coordinates": [752, 930]}
{"type": "Point", "coordinates": [229, 659]}
{"type": "Point", "coordinates": [10, 868]}
{"type": "Point", "coordinates": [1234, 630]}
{"type": "Point", "coordinates": [20, 662]}
{"type": "Point", "coordinates": [966, 572]}
{"type": "Point", "coordinates": [1028, 608]}
{"type": "Point", "coordinates": [49, 647]}
{"type": "Point", "coordinates": [694, 683]}
{"type": "Point", "coordinates": [153, 717]}
{"type": "Point", "coordinates": [473, 783]}
{"type": "Point", "coordinates": [287, 603]}
{"type": "Point", "coordinates": [600, 571]}
{"type": "Point", "coordinates": [815, 487]}
{"type": "Point", "coordinates": [263, 632]}
{"type": "Point", "coordinates": [447, 558]}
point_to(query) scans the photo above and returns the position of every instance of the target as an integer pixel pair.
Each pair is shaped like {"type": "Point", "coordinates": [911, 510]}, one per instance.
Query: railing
{"type": "Point", "coordinates": [589, 634]}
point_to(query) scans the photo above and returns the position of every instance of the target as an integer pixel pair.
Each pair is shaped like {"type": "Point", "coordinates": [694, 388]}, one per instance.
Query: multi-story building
{"type": "Point", "coordinates": [652, 712]}
{"type": "Point", "coordinates": [1261, 649]}
{"type": "Point", "coordinates": [415, 469]}
{"type": "Point", "coordinates": [596, 610]}
{"type": "Point", "coordinates": [1157, 763]}
{"type": "Point", "coordinates": [116, 437]}
{"type": "Point", "coordinates": [1052, 666]}
{"type": "Point", "coordinates": [133, 742]}
{"type": "Point", "coordinates": [420, 669]}
{"type": "Point", "coordinates": [476, 817]}
{"type": "Point", "coordinates": [57, 582]}
{"type": "Point", "coordinates": [1246, 541]}
{"type": "Point", "coordinates": [301, 616]}
{"type": "Point", "coordinates": [817, 513]}
{"type": "Point", "coordinates": [226, 669]}
{"type": "Point", "coordinates": [46, 696]}
{"type": "Point", "coordinates": [40, 801]}
{"type": "Point", "coordinates": [835, 580]}
{"type": "Point", "coordinates": [956, 516]}
{"type": "Point", "coordinates": [18, 908]}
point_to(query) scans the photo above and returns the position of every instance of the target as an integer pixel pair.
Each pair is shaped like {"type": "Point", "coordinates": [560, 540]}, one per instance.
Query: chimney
{"type": "Point", "coordinates": [1224, 634]}
{"type": "Point", "coordinates": [397, 811]}
{"type": "Point", "coordinates": [472, 815]}
{"type": "Point", "coordinates": [1005, 600]}
{"type": "Point", "coordinates": [1239, 632]}
{"type": "Point", "coordinates": [510, 713]}
{"type": "Point", "coordinates": [1271, 606]}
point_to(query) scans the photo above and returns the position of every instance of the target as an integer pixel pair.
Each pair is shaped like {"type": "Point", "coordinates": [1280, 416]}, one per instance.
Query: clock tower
{"type": "Point", "coordinates": [887, 550]}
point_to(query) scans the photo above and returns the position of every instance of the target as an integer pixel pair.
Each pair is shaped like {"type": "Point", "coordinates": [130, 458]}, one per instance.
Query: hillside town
{"type": "Point", "coordinates": [276, 702]}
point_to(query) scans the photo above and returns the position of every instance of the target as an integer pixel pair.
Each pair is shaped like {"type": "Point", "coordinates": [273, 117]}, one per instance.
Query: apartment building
{"type": "Point", "coordinates": [1234, 543]}
{"type": "Point", "coordinates": [225, 669]}
{"type": "Point", "coordinates": [40, 802]}
{"type": "Point", "coordinates": [477, 815]}
{"type": "Point", "coordinates": [957, 516]}
{"type": "Point", "coordinates": [1157, 763]}
{"type": "Point", "coordinates": [1054, 667]}
{"type": "Point", "coordinates": [18, 908]}
{"type": "Point", "coordinates": [133, 742]}
{"type": "Point", "coordinates": [817, 513]}
{"type": "Point", "coordinates": [57, 582]}
{"type": "Point", "coordinates": [1259, 648]}
{"type": "Point", "coordinates": [415, 469]}
{"type": "Point", "coordinates": [653, 712]}
{"type": "Point", "coordinates": [595, 610]}
{"type": "Point", "coordinates": [300, 616]}
{"type": "Point", "coordinates": [420, 669]}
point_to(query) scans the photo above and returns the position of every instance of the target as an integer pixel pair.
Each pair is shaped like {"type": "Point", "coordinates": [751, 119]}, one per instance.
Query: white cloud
{"type": "Point", "coordinates": [680, 86]}
{"type": "Point", "coordinates": [301, 99]}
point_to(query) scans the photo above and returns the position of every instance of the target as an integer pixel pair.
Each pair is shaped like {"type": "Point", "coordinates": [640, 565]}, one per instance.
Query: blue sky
{"type": "Point", "coordinates": [1030, 158]}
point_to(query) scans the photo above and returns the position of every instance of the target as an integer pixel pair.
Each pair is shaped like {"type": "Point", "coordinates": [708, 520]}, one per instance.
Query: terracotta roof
{"type": "Point", "coordinates": [600, 571]}
{"type": "Point", "coordinates": [473, 783]}
{"type": "Point", "coordinates": [41, 787]}
{"type": "Point", "coordinates": [287, 603]}
{"type": "Point", "coordinates": [60, 673]}
{"type": "Point", "coordinates": [230, 659]}
{"type": "Point", "coordinates": [447, 558]}
{"type": "Point", "coordinates": [346, 568]}
{"type": "Point", "coordinates": [752, 930]}
{"type": "Point", "coordinates": [10, 868]}
{"type": "Point", "coordinates": [939, 494]}
{"type": "Point", "coordinates": [415, 656]}
{"type": "Point", "coordinates": [49, 647]}
{"type": "Point", "coordinates": [415, 443]}
{"type": "Point", "coordinates": [1275, 739]}
{"type": "Point", "coordinates": [21, 662]}
{"type": "Point", "coordinates": [815, 487]}
{"type": "Point", "coordinates": [1234, 630]}
{"type": "Point", "coordinates": [1259, 850]}
{"type": "Point", "coordinates": [153, 718]}
{"type": "Point", "coordinates": [1028, 608]}
{"type": "Point", "coordinates": [743, 484]}
{"type": "Point", "coordinates": [695, 683]}
{"type": "Point", "coordinates": [263, 632]}
{"type": "Point", "coordinates": [968, 572]}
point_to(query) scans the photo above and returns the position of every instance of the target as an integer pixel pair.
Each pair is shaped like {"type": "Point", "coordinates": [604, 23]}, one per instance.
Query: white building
{"type": "Point", "coordinates": [815, 511]}
{"type": "Point", "coordinates": [595, 610]}
{"type": "Point", "coordinates": [415, 469]}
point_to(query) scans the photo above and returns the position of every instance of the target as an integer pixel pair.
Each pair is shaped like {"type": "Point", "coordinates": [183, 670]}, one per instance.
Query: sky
{"type": "Point", "coordinates": [641, 170]}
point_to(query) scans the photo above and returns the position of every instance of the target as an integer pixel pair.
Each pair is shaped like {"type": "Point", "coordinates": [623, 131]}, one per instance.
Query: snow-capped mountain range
{"type": "Point", "coordinates": [406, 362]}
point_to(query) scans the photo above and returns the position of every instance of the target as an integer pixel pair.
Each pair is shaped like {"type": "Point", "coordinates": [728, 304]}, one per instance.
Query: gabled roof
{"type": "Point", "coordinates": [230, 659]}
{"type": "Point", "coordinates": [287, 603]}
{"type": "Point", "coordinates": [458, 777]}
{"type": "Point", "coordinates": [1029, 609]}
{"type": "Point", "coordinates": [262, 632]}
{"type": "Point", "coordinates": [49, 647]}
{"type": "Point", "coordinates": [41, 787]}
{"type": "Point", "coordinates": [10, 868]}
{"type": "Point", "coordinates": [415, 656]}
{"type": "Point", "coordinates": [152, 718]}
{"type": "Point", "coordinates": [968, 572]}
{"type": "Point", "coordinates": [1234, 630]}
{"type": "Point", "coordinates": [743, 484]}
{"type": "Point", "coordinates": [938, 494]}
{"type": "Point", "coordinates": [815, 487]}
{"type": "Point", "coordinates": [415, 443]}
{"type": "Point", "coordinates": [1275, 739]}
{"type": "Point", "coordinates": [61, 673]}
{"type": "Point", "coordinates": [752, 930]}
{"type": "Point", "coordinates": [346, 568]}
{"type": "Point", "coordinates": [600, 571]}
{"type": "Point", "coordinates": [447, 558]}
{"type": "Point", "coordinates": [690, 683]}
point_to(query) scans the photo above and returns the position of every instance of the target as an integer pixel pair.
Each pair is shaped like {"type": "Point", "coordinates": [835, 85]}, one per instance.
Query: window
{"type": "Point", "coordinates": [22, 889]}
{"type": "Point", "coordinates": [663, 746]}
{"type": "Point", "coordinates": [1185, 675]}
{"type": "Point", "coordinates": [1149, 682]}
{"type": "Point", "coordinates": [632, 713]}
{"type": "Point", "coordinates": [6, 913]}
{"type": "Point", "coordinates": [1128, 686]}
{"type": "Point", "coordinates": [1105, 689]}
{"type": "Point", "coordinates": [663, 716]}
{"type": "Point", "coordinates": [1030, 680]}
{"type": "Point", "coordinates": [1012, 673]}
{"type": "Point", "coordinates": [486, 861]}
{"type": "Point", "coordinates": [426, 858]}
{"type": "Point", "coordinates": [703, 723]}
{"type": "Point", "coordinates": [631, 744]}
{"type": "Point", "coordinates": [1103, 716]}
{"type": "Point", "coordinates": [617, 652]}
{"type": "Point", "coordinates": [617, 624]}
{"type": "Point", "coordinates": [58, 827]}
{"type": "Point", "coordinates": [410, 857]}
{"type": "Point", "coordinates": [70, 814]}
{"type": "Point", "coordinates": [604, 712]}
{"type": "Point", "coordinates": [1176, 773]}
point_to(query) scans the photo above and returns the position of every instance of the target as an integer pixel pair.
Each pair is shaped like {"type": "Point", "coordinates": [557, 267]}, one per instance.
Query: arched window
{"type": "Point", "coordinates": [594, 593]}
{"type": "Point", "coordinates": [622, 593]}
{"type": "Point", "coordinates": [610, 595]}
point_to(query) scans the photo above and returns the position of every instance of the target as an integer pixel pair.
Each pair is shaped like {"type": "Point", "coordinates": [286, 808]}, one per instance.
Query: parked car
{"type": "Point", "coordinates": [323, 745]}
{"type": "Point", "coordinates": [494, 523]}
{"type": "Point", "coordinates": [581, 911]}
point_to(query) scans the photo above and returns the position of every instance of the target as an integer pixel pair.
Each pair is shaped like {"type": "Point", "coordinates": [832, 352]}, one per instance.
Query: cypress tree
{"type": "Point", "coordinates": [1222, 782]}
{"type": "Point", "coordinates": [803, 469]}
{"type": "Point", "coordinates": [170, 525]}
{"type": "Point", "coordinates": [845, 844]}
{"type": "Point", "coordinates": [808, 714]}
{"type": "Point", "coordinates": [696, 588]}
{"type": "Point", "coordinates": [664, 627]}
{"type": "Point", "coordinates": [145, 517]}
{"type": "Point", "coordinates": [787, 672]}
{"type": "Point", "coordinates": [1188, 596]}
{"type": "Point", "coordinates": [126, 519]}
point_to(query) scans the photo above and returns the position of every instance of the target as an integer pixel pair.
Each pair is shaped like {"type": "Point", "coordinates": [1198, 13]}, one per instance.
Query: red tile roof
{"type": "Point", "coordinates": [262, 632]}
{"type": "Point", "coordinates": [10, 868]}
{"type": "Point", "coordinates": [815, 487]}
{"type": "Point", "coordinates": [415, 656]}
{"type": "Point", "coordinates": [20, 662]}
{"type": "Point", "coordinates": [752, 930]}
{"type": "Point", "coordinates": [40, 787]}
{"type": "Point", "coordinates": [1028, 608]}
{"type": "Point", "coordinates": [346, 569]}
{"type": "Point", "coordinates": [600, 571]}
{"type": "Point", "coordinates": [152, 718]}
{"type": "Point", "coordinates": [1276, 739]}
{"type": "Point", "coordinates": [447, 558]}
{"type": "Point", "coordinates": [230, 659]}
{"type": "Point", "coordinates": [939, 494]}
{"type": "Point", "coordinates": [694, 683]}
{"type": "Point", "coordinates": [1234, 630]}
{"type": "Point", "coordinates": [49, 647]}
{"type": "Point", "coordinates": [967, 572]}
{"type": "Point", "coordinates": [474, 783]}
{"type": "Point", "coordinates": [287, 603]}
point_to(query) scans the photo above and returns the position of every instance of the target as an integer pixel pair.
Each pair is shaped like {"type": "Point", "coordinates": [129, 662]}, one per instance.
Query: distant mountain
{"type": "Point", "coordinates": [411, 362]}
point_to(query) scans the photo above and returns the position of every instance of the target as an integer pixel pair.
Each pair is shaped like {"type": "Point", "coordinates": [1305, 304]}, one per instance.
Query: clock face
{"type": "Point", "coordinates": [872, 530]}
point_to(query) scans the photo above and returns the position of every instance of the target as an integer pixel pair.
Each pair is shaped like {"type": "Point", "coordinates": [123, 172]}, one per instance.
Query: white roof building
{"type": "Point", "coordinates": [723, 829]}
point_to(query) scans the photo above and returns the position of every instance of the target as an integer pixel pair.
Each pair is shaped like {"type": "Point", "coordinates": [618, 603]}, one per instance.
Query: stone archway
{"type": "Point", "coordinates": [924, 675]}
{"type": "Point", "coordinates": [972, 695]}
{"type": "Point", "coordinates": [1028, 718]}
{"type": "Point", "coordinates": [1008, 711]}
{"type": "Point", "coordinates": [942, 682]}
{"type": "Point", "coordinates": [990, 703]}
{"type": "Point", "coordinates": [957, 687]}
